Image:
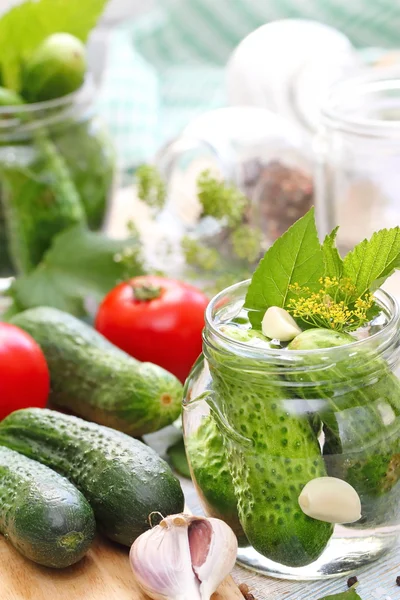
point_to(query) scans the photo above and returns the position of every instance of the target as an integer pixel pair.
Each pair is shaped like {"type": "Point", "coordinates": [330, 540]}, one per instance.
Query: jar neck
{"type": "Point", "coordinates": [19, 123]}
{"type": "Point", "coordinates": [361, 359]}
{"type": "Point", "coordinates": [366, 105]}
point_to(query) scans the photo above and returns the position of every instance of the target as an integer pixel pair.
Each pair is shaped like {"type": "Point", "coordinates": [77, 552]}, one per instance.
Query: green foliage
{"type": "Point", "coordinates": [220, 200]}
{"type": "Point", "coordinates": [151, 186]}
{"type": "Point", "coordinates": [332, 259]}
{"type": "Point", "coordinates": [315, 284]}
{"type": "Point", "coordinates": [80, 267]}
{"type": "Point", "coordinates": [246, 242]}
{"type": "Point", "coordinates": [295, 257]}
{"type": "Point", "coordinates": [372, 261]}
{"type": "Point", "coordinates": [177, 457]}
{"type": "Point", "coordinates": [199, 256]}
{"type": "Point", "coordinates": [350, 594]}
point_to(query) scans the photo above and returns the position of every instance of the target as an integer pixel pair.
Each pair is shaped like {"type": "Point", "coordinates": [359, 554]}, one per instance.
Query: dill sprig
{"type": "Point", "coordinates": [335, 306]}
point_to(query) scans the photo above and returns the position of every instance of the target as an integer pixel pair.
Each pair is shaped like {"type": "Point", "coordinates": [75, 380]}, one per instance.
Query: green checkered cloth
{"type": "Point", "coordinates": [168, 66]}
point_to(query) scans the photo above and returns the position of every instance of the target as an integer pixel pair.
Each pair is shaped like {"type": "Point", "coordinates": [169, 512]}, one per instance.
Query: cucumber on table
{"type": "Point", "coordinates": [41, 513]}
{"type": "Point", "coordinates": [96, 380]}
{"type": "Point", "coordinates": [123, 480]}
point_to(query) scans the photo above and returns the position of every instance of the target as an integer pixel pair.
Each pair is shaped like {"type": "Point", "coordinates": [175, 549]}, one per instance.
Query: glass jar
{"type": "Point", "coordinates": [358, 156]}
{"type": "Point", "coordinates": [37, 143]}
{"type": "Point", "coordinates": [259, 423]}
{"type": "Point", "coordinates": [262, 155]}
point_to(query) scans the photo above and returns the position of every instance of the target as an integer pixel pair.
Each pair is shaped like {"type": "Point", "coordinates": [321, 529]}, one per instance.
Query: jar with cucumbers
{"type": "Point", "coordinates": [56, 170]}
{"type": "Point", "coordinates": [292, 413]}
{"type": "Point", "coordinates": [56, 160]}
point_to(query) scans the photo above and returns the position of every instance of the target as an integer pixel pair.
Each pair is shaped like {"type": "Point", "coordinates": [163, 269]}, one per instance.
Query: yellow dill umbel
{"type": "Point", "coordinates": [335, 306]}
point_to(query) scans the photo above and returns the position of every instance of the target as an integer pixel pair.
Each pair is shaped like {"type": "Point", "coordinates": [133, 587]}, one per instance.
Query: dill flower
{"type": "Point", "coordinates": [335, 306]}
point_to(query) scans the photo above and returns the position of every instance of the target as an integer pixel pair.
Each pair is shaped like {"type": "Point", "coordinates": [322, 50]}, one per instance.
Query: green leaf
{"type": "Point", "coordinates": [177, 457]}
{"type": "Point", "coordinates": [295, 257]}
{"type": "Point", "coordinates": [76, 273]}
{"type": "Point", "coordinates": [332, 259]}
{"type": "Point", "coordinates": [371, 262]}
{"type": "Point", "coordinates": [350, 594]}
{"type": "Point", "coordinates": [25, 26]}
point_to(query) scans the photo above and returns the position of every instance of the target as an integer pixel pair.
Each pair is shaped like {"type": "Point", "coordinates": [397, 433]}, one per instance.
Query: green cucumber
{"type": "Point", "coordinates": [361, 417]}
{"type": "Point", "coordinates": [96, 380]}
{"type": "Point", "coordinates": [270, 467]}
{"type": "Point", "coordinates": [41, 513]}
{"type": "Point", "coordinates": [123, 480]}
{"type": "Point", "coordinates": [39, 199]}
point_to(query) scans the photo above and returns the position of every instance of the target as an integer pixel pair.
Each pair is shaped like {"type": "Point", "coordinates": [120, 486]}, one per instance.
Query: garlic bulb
{"type": "Point", "coordinates": [183, 558]}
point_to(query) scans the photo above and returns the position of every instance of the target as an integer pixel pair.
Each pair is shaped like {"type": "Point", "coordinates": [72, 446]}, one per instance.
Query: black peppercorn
{"type": "Point", "coordinates": [398, 580]}
{"type": "Point", "coordinates": [352, 580]}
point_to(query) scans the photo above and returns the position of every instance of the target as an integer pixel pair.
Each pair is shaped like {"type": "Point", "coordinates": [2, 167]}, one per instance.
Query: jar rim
{"type": "Point", "coordinates": [385, 300]}
{"type": "Point", "coordinates": [367, 82]}
{"type": "Point", "coordinates": [83, 92]}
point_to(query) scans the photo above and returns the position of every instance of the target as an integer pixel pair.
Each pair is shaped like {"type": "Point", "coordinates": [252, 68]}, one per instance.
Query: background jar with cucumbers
{"type": "Point", "coordinates": [57, 162]}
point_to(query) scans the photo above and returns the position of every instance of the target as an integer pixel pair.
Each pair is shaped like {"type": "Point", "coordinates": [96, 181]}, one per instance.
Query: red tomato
{"type": "Point", "coordinates": [164, 327]}
{"type": "Point", "coordinates": [24, 376]}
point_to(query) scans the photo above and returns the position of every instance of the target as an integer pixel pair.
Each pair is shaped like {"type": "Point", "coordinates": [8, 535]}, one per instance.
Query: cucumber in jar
{"type": "Point", "coordinates": [361, 421]}
{"type": "Point", "coordinates": [272, 462]}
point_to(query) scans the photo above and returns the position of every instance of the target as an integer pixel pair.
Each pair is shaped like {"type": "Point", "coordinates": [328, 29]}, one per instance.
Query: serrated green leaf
{"type": "Point", "coordinates": [78, 270]}
{"type": "Point", "coordinates": [295, 257]}
{"type": "Point", "coordinates": [332, 259]}
{"type": "Point", "coordinates": [371, 262]}
{"type": "Point", "coordinates": [350, 594]}
{"type": "Point", "coordinates": [25, 26]}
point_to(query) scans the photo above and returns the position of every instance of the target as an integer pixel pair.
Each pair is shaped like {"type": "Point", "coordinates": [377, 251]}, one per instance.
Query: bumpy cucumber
{"type": "Point", "coordinates": [96, 380]}
{"type": "Point", "coordinates": [211, 474]}
{"type": "Point", "coordinates": [361, 416]}
{"type": "Point", "coordinates": [39, 200]}
{"type": "Point", "coordinates": [90, 158]}
{"type": "Point", "coordinates": [270, 471]}
{"type": "Point", "coordinates": [123, 480]}
{"type": "Point", "coordinates": [41, 513]}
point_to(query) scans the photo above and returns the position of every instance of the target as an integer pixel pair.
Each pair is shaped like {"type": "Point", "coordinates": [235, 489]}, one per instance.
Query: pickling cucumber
{"type": "Point", "coordinates": [96, 380]}
{"type": "Point", "coordinates": [123, 480]}
{"type": "Point", "coordinates": [41, 513]}
{"type": "Point", "coordinates": [358, 400]}
{"type": "Point", "coordinates": [278, 455]}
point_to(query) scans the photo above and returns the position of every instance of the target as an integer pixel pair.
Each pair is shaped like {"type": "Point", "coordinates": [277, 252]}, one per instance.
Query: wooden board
{"type": "Point", "coordinates": [104, 574]}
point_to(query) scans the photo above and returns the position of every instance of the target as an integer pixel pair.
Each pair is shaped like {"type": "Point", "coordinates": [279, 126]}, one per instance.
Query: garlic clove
{"type": "Point", "coordinates": [212, 567]}
{"type": "Point", "coordinates": [278, 324]}
{"type": "Point", "coordinates": [183, 558]}
{"type": "Point", "coordinates": [331, 500]}
{"type": "Point", "coordinates": [160, 559]}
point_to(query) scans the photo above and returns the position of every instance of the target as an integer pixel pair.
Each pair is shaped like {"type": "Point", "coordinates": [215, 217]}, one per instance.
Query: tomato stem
{"type": "Point", "coordinates": [144, 292]}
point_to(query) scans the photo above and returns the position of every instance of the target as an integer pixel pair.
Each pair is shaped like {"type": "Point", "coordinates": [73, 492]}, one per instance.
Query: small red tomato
{"type": "Point", "coordinates": [24, 375]}
{"type": "Point", "coordinates": [156, 320]}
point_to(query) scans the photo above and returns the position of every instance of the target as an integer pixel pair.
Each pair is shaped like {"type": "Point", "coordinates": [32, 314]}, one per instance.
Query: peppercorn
{"type": "Point", "coordinates": [244, 588]}
{"type": "Point", "coordinates": [351, 581]}
{"type": "Point", "coordinates": [398, 580]}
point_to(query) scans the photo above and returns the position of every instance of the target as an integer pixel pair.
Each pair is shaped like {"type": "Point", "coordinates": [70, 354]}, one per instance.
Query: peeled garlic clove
{"type": "Point", "coordinates": [183, 558]}
{"type": "Point", "coordinates": [212, 565]}
{"type": "Point", "coordinates": [330, 499]}
{"type": "Point", "coordinates": [278, 324]}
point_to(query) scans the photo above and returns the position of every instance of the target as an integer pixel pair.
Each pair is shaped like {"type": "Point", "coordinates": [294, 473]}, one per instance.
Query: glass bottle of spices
{"type": "Point", "coordinates": [266, 158]}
